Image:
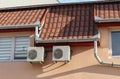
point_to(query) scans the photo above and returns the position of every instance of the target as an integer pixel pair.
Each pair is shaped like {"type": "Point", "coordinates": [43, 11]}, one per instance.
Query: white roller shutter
{"type": "Point", "coordinates": [21, 45]}
{"type": "Point", "coordinates": [5, 48]}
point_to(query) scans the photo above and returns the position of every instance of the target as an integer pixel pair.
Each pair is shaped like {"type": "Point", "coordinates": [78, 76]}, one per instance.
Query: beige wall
{"type": "Point", "coordinates": [83, 65]}
{"type": "Point", "coordinates": [105, 44]}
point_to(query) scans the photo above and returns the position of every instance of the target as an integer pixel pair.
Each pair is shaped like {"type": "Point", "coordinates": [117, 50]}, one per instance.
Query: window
{"type": "Point", "coordinates": [13, 48]}
{"type": "Point", "coordinates": [115, 43]}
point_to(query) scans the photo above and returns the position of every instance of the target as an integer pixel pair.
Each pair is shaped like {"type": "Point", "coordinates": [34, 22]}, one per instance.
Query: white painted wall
{"type": "Point", "coordinates": [14, 3]}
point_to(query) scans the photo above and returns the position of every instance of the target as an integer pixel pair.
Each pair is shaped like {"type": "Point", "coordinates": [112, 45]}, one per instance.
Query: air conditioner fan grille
{"type": "Point", "coordinates": [32, 54]}
{"type": "Point", "coordinates": [58, 53]}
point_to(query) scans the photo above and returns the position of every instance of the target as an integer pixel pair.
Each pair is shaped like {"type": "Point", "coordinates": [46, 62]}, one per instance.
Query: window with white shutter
{"type": "Point", "coordinates": [13, 48]}
{"type": "Point", "coordinates": [21, 45]}
{"type": "Point", "coordinates": [5, 48]}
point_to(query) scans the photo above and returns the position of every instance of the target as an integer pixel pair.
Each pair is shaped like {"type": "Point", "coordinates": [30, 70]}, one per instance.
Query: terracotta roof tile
{"type": "Point", "coordinates": [108, 10]}
{"type": "Point", "coordinates": [61, 22]}
{"type": "Point", "coordinates": [69, 22]}
{"type": "Point", "coordinates": [23, 16]}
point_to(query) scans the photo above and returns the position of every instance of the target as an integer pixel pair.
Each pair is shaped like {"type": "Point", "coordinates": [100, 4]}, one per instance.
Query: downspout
{"type": "Point", "coordinates": [38, 30]}
{"type": "Point", "coordinates": [40, 23]}
{"type": "Point", "coordinates": [99, 59]}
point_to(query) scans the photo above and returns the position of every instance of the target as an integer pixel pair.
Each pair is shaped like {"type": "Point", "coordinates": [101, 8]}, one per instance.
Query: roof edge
{"type": "Point", "coordinates": [55, 4]}
{"type": "Point", "coordinates": [65, 40]}
{"type": "Point", "coordinates": [95, 37]}
{"type": "Point", "coordinates": [104, 20]}
{"type": "Point", "coordinates": [19, 26]}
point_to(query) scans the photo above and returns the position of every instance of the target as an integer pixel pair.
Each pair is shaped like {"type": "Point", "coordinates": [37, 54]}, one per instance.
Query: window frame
{"type": "Point", "coordinates": [110, 42]}
{"type": "Point", "coordinates": [13, 47]}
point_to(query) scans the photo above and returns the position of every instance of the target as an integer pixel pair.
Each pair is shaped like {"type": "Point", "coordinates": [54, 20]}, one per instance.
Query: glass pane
{"type": "Point", "coordinates": [115, 43]}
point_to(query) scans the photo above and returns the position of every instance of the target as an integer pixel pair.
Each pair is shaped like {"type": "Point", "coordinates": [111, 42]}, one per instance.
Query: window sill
{"type": "Point", "coordinates": [14, 61]}
{"type": "Point", "coordinates": [115, 56]}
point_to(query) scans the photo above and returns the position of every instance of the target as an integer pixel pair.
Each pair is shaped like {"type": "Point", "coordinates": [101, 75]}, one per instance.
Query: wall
{"type": "Point", "coordinates": [105, 44]}
{"type": "Point", "coordinates": [83, 65]}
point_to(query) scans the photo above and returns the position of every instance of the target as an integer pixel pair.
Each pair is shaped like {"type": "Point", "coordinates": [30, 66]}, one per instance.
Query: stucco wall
{"type": "Point", "coordinates": [83, 65]}
{"type": "Point", "coordinates": [105, 44]}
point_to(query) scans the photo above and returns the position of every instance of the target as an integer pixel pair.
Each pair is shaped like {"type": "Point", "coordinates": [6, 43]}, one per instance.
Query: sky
{"type": "Point", "coordinates": [66, 1]}
{"type": "Point", "coordinates": [16, 3]}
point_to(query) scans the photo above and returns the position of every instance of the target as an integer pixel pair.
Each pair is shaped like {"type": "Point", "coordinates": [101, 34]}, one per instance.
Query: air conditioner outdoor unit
{"type": "Point", "coordinates": [61, 53]}
{"type": "Point", "coordinates": [35, 54]}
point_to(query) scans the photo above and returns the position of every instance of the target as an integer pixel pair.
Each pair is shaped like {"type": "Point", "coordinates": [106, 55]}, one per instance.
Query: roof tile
{"type": "Point", "coordinates": [23, 16]}
{"type": "Point", "coordinates": [61, 22]}
{"type": "Point", "coordinates": [69, 22]}
{"type": "Point", "coordinates": [108, 10]}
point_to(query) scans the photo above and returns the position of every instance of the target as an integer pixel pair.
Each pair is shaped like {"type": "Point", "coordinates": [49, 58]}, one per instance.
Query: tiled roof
{"type": "Point", "coordinates": [19, 17]}
{"type": "Point", "coordinates": [74, 21]}
{"type": "Point", "coordinates": [108, 10]}
{"type": "Point", "coordinates": [69, 22]}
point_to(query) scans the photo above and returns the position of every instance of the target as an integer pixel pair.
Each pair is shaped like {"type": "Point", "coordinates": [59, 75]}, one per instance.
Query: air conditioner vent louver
{"type": "Point", "coordinates": [58, 53]}
{"type": "Point", "coordinates": [35, 54]}
{"type": "Point", "coordinates": [32, 54]}
{"type": "Point", "coordinates": [61, 53]}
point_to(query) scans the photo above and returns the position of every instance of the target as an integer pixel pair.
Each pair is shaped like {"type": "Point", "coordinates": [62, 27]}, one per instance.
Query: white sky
{"type": "Point", "coordinates": [16, 3]}
{"type": "Point", "coordinates": [66, 1]}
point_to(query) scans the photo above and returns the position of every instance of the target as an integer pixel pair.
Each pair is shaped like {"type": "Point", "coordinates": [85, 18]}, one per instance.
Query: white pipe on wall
{"type": "Point", "coordinates": [99, 59]}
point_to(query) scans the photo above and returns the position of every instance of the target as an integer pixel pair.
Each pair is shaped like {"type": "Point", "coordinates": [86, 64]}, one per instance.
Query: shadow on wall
{"type": "Point", "coordinates": [48, 59]}
{"type": "Point", "coordinates": [95, 69]}
{"type": "Point", "coordinates": [48, 67]}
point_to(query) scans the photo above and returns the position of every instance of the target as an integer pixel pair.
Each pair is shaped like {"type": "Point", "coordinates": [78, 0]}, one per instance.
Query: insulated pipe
{"type": "Point", "coordinates": [99, 59]}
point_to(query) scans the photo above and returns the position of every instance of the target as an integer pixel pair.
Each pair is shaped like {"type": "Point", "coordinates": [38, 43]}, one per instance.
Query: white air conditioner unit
{"type": "Point", "coordinates": [35, 54]}
{"type": "Point", "coordinates": [61, 53]}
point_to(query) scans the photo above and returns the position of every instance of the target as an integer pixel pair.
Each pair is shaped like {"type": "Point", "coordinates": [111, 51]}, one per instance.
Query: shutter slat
{"type": "Point", "coordinates": [5, 48]}
{"type": "Point", "coordinates": [4, 58]}
{"type": "Point", "coordinates": [21, 45]}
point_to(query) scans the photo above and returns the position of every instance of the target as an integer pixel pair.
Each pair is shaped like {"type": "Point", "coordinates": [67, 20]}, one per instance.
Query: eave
{"type": "Point", "coordinates": [106, 20]}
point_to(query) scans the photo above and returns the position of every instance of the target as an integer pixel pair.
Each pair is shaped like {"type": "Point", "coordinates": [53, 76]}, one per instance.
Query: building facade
{"type": "Point", "coordinates": [90, 30]}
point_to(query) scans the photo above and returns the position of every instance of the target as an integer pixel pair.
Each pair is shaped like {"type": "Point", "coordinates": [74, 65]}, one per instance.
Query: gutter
{"type": "Point", "coordinates": [19, 26]}
{"type": "Point", "coordinates": [63, 40]}
{"type": "Point", "coordinates": [99, 59]}
{"type": "Point", "coordinates": [103, 20]}
{"type": "Point", "coordinates": [39, 40]}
